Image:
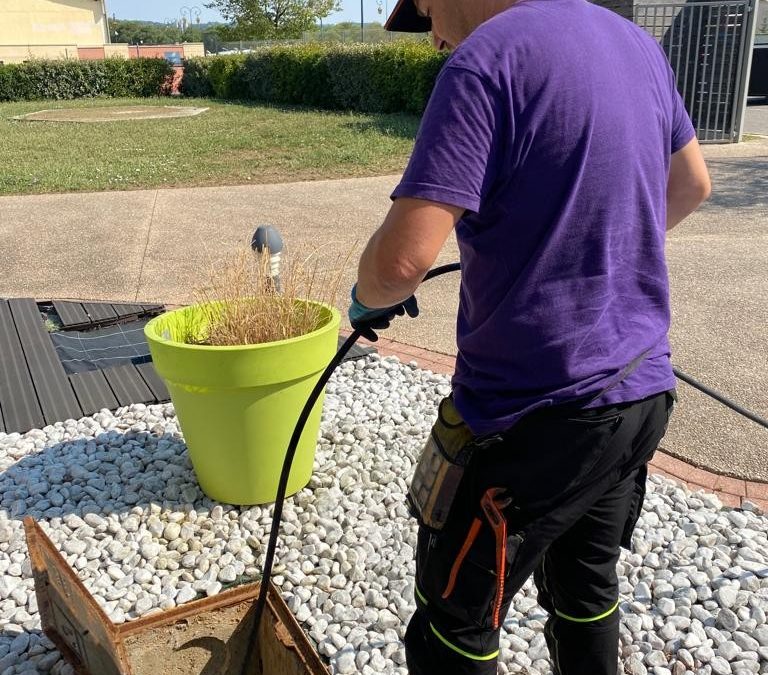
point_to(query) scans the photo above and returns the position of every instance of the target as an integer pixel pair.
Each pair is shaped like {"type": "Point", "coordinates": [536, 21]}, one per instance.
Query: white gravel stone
{"type": "Point", "coordinates": [726, 596]}
{"type": "Point", "coordinates": [227, 574]}
{"type": "Point", "coordinates": [118, 496]}
{"type": "Point", "coordinates": [635, 666]}
{"type": "Point", "coordinates": [344, 662]}
{"type": "Point", "coordinates": [212, 588]}
{"type": "Point", "coordinates": [720, 666]}
{"type": "Point", "coordinates": [186, 594]}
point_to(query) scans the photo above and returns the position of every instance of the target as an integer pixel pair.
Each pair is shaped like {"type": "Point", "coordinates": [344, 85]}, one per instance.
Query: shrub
{"type": "Point", "coordinates": [389, 77]}
{"type": "Point", "coordinates": [293, 75]}
{"type": "Point", "coordinates": [67, 79]}
{"type": "Point", "coordinates": [147, 77]}
{"type": "Point", "coordinates": [226, 76]}
{"type": "Point", "coordinates": [196, 81]}
{"type": "Point", "coordinates": [13, 83]}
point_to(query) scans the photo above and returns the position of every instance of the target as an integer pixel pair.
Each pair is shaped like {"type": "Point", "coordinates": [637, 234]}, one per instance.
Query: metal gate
{"type": "Point", "coordinates": [709, 45]}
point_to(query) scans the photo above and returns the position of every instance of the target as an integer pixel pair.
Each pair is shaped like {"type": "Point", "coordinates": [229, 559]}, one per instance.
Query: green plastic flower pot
{"type": "Point", "coordinates": [238, 406]}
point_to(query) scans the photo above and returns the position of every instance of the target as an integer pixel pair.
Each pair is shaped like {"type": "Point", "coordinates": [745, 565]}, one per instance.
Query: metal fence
{"type": "Point", "coordinates": [709, 45]}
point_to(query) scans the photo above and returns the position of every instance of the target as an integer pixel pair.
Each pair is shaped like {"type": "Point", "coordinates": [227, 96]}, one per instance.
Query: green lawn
{"type": "Point", "coordinates": [229, 144]}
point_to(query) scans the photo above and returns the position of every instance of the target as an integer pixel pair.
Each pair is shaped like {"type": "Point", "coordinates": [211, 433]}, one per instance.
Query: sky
{"type": "Point", "coordinates": [167, 10]}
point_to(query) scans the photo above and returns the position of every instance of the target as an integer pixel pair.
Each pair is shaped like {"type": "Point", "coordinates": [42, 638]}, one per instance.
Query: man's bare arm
{"type": "Point", "coordinates": [403, 249]}
{"type": "Point", "coordinates": [688, 185]}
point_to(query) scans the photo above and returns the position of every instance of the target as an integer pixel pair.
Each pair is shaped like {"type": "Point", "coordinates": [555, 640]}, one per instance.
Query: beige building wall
{"type": "Point", "coordinates": [193, 49]}
{"type": "Point", "coordinates": [115, 51]}
{"type": "Point", "coordinates": [21, 53]}
{"type": "Point", "coordinates": [53, 22]}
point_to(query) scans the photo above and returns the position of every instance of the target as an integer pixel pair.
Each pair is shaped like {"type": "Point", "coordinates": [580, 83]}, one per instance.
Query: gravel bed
{"type": "Point", "coordinates": [117, 495]}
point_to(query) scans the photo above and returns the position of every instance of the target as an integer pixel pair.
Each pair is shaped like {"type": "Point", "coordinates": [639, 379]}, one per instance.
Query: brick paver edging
{"type": "Point", "coordinates": [731, 491]}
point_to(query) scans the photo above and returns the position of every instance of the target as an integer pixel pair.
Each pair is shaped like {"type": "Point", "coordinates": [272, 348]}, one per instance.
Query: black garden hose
{"type": "Point", "coordinates": [282, 485]}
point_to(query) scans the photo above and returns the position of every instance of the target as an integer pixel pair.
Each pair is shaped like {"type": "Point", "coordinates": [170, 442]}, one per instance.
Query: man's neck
{"type": "Point", "coordinates": [491, 8]}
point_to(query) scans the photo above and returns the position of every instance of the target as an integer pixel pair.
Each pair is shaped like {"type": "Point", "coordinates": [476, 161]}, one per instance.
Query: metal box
{"type": "Point", "coordinates": [204, 637]}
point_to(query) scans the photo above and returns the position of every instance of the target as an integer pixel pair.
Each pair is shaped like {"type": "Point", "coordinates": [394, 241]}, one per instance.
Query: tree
{"type": "Point", "coordinates": [212, 41]}
{"type": "Point", "coordinates": [152, 33]}
{"type": "Point", "coordinates": [144, 32]}
{"type": "Point", "coordinates": [270, 19]}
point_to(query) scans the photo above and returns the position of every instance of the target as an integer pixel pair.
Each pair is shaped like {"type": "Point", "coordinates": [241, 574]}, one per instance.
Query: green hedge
{"type": "Point", "coordinates": [66, 79]}
{"type": "Point", "coordinates": [197, 81]}
{"type": "Point", "coordinates": [388, 77]}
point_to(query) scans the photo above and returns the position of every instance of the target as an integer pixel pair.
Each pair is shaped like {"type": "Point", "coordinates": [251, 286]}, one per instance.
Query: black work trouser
{"type": "Point", "coordinates": [576, 480]}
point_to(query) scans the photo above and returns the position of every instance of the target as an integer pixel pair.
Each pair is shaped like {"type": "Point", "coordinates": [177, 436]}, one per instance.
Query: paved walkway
{"type": "Point", "coordinates": [157, 245]}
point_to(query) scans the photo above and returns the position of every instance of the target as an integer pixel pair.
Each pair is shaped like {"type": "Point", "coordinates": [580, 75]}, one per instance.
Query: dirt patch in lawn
{"type": "Point", "coordinates": [111, 114]}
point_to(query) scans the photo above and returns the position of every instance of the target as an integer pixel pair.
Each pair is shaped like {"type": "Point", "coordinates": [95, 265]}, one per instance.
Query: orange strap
{"type": "Point", "coordinates": [471, 536]}
{"type": "Point", "coordinates": [499, 525]}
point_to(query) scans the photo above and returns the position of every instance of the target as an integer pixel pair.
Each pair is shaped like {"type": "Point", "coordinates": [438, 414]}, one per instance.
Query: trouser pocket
{"type": "Point", "coordinates": [671, 401]}
{"type": "Point", "coordinates": [641, 477]}
{"type": "Point", "coordinates": [636, 507]}
{"type": "Point", "coordinates": [462, 569]}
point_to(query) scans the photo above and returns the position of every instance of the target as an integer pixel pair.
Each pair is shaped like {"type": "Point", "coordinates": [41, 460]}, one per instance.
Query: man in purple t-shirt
{"type": "Point", "coordinates": [556, 145]}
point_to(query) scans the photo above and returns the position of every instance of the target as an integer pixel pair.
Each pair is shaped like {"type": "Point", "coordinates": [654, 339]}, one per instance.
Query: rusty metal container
{"type": "Point", "coordinates": [204, 637]}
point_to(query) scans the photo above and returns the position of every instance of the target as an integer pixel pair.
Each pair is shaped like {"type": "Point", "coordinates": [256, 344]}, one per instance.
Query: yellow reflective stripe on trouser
{"type": "Point", "coordinates": [474, 657]}
{"type": "Point", "coordinates": [591, 618]}
{"type": "Point", "coordinates": [420, 594]}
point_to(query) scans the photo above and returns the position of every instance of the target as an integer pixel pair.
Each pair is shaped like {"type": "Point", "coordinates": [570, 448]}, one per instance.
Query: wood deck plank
{"type": "Point", "coordinates": [128, 386]}
{"type": "Point", "coordinates": [154, 382]}
{"type": "Point", "coordinates": [72, 314]}
{"type": "Point", "coordinates": [124, 310]}
{"type": "Point", "coordinates": [20, 408]}
{"type": "Point", "coordinates": [99, 311]}
{"type": "Point", "coordinates": [54, 391]}
{"type": "Point", "coordinates": [93, 391]}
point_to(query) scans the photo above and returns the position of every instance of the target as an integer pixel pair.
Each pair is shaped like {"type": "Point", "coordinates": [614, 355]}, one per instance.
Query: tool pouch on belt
{"type": "Point", "coordinates": [441, 467]}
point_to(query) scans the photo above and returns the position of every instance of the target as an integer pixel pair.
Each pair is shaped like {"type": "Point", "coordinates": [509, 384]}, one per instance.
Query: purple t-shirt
{"type": "Point", "coordinates": [553, 125]}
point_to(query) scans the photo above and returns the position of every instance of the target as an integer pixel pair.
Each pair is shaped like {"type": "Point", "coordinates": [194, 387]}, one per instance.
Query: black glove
{"type": "Point", "coordinates": [366, 320]}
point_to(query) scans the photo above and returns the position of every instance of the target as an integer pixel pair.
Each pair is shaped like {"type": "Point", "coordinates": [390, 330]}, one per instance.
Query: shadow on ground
{"type": "Point", "coordinates": [400, 126]}
{"type": "Point", "coordinates": [736, 183]}
{"type": "Point", "coordinates": [113, 472]}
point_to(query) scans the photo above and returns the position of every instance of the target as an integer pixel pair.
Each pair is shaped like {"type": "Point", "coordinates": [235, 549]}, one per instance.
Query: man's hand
{"type": "Point", "coordinates": [366, 319]}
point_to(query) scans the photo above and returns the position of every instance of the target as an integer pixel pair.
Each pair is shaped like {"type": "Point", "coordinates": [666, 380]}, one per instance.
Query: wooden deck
{"type": "Point", "coordinates": [35, 391]}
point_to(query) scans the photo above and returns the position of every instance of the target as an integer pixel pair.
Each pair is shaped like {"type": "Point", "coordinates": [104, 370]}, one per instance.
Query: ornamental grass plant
{"type": "Point", "coordinates": [241, 305]}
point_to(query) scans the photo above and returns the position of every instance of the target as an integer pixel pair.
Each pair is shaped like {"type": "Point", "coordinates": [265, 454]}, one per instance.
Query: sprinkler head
{"type": "Point", "coordinates": [267, 237]}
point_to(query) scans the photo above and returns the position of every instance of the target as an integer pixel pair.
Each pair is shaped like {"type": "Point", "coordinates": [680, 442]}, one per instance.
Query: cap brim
{"type": "Point", "coordinates": [405, 19]}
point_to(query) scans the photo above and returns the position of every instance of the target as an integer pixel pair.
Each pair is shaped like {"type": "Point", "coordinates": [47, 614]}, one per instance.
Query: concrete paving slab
{"type": "Point", "coordinates": [756, 118]}
{"type": "Point", "coordinates": [85, 245]}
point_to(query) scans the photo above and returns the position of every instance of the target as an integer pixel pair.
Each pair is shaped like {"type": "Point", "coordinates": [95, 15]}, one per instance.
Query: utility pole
{"type": "Point", "coordinates": [362, 23]}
